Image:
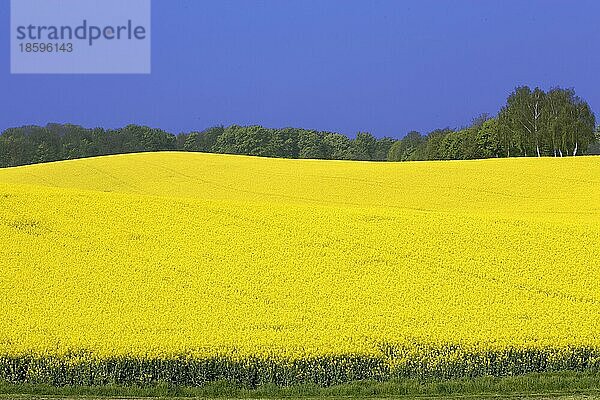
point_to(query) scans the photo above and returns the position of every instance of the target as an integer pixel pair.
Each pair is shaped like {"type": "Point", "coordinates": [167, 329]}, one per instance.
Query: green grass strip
{"type": "Point", "coordinates": [549, 384]}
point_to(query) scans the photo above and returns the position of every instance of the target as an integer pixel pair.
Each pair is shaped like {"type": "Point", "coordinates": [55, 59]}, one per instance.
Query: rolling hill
{"type": "Point", "coordinates": [422, 267]}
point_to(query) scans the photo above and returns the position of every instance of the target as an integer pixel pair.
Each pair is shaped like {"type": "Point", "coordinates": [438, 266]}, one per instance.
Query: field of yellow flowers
{"type": "Point", "coordinates": [191, 267]}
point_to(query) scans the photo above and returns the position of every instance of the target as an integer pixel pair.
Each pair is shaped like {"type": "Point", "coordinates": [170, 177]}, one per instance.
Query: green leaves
{"type": "Point", "coordinates": [539, 123]}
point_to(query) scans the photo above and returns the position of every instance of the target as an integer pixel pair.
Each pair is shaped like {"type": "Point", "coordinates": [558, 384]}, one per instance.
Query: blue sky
{"type": "Point", "coordinates": [386, 67]}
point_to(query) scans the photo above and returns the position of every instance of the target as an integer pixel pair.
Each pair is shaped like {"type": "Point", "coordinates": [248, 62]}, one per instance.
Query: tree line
{"type": "Point", "coordinates": [532, 123]}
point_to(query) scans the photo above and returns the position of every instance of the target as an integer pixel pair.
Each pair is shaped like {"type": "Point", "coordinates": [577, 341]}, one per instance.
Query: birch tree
{"type": "Point", "coordinates": [554, 123]}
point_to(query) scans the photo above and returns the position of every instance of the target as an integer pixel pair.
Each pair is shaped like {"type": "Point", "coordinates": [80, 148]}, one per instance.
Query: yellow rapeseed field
{"type": "Point", "coordinates": [159, 254]}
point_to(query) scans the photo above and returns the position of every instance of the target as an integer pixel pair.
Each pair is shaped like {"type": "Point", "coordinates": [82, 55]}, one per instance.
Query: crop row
{"type": "Point", "coordinates": [442, 363]}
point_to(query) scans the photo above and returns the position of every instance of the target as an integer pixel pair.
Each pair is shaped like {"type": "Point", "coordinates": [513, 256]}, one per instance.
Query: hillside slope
{"type": "Point", "coordinates": [164, 253]}
{"type": "Point", "coordinates": [526, 185]}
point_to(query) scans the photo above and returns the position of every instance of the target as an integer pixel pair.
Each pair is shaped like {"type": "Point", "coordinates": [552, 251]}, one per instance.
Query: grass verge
{"type": "Point", "coordinates": [550, 384]}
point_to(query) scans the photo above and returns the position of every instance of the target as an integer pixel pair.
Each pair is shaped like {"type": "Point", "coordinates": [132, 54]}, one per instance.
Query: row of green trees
{"type": "Point", "coordinates": [35, 144]}
{"type": "Point", "coordinates": [288, 143]}
{"type": "Point", "coordinates": [532, 123]}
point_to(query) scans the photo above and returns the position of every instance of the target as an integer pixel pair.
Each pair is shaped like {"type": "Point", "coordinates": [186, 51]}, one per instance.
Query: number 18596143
{"type": "Point", "coordinates": [46, 47]}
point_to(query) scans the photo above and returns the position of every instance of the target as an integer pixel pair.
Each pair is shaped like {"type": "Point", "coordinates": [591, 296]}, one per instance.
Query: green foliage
{"type": "Point", "coordinates": [594, 147]}
{"type": "Point", "coordinates": [363, 147]}
{"type": "Point", "coordinates": [434, 148]}
{"type": "Point", "coordinates": [143, 138]}
{"type": "Point", "coordinates": [458, 145]}
{"type": "Point", "coordinates": [408, 148]}
{"type": "Point", "coordinates": [337, 146]}
{"type": "Point", "coordinates": [538, 123]}
{"type": "Point", "coordinates": [532, 123]}
{"type": "Point", "coordinates": [251, 372]}
{"type": "Point", "coordinates": [202, 141]}
{"type": "Point", "coordinates": [450, 369]}
{"type": "Point", "coordinates": [253, 141]}
{"type": "Point", "coordinates": [382, 148]}
{"type": "Point", "coordinates": [488, 140]}
{"type": "Point", "coordinates": [34, 144]}
{"type": "Point", "coordinates": [310, 145]}
{"type": "Point", "coordinates": [534, 385]}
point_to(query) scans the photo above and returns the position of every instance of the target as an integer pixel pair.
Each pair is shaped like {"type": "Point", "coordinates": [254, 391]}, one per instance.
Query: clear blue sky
{"type": "Point", "coordinates": [386, 67]}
